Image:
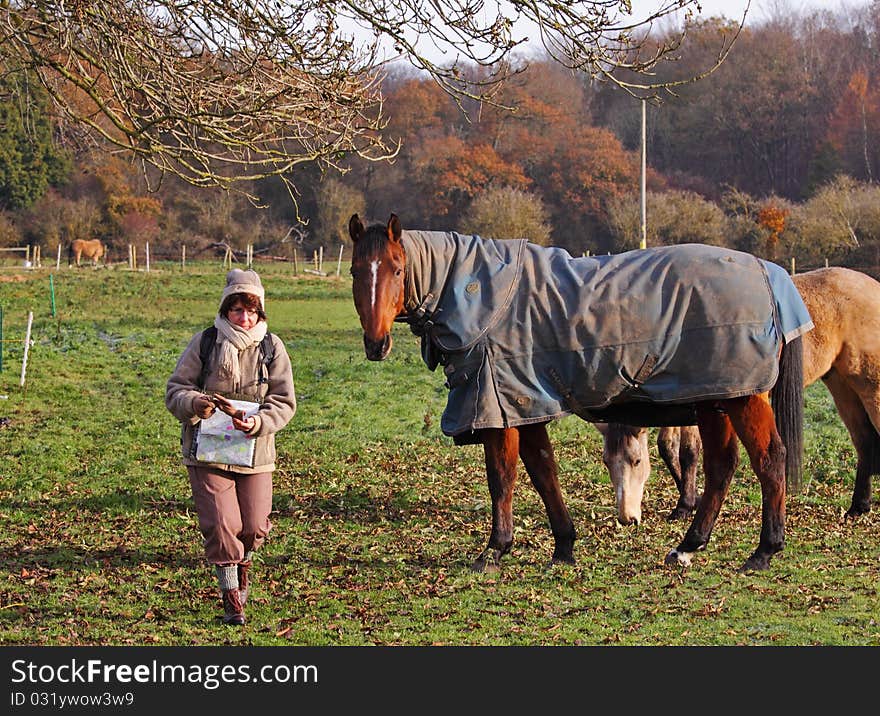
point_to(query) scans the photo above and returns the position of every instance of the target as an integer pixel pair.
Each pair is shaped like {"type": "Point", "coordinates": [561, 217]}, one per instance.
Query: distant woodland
{"type": "Point", "coordinates": [777, 152]}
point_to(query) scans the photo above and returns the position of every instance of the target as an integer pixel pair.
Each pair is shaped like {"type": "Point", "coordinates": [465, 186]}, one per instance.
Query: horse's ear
{"type": "Point", "coordinates": [394, 228]}
{"type": "Point", "coordinates": [355, 227]}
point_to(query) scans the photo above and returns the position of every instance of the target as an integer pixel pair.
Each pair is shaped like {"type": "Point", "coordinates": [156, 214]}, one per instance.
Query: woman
{"type": "Point", "coordinates": [239, 360]}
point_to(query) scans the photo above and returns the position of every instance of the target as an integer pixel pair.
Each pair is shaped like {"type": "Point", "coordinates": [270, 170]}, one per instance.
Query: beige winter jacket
{"type": "Point", "coordinates": [277, 398]}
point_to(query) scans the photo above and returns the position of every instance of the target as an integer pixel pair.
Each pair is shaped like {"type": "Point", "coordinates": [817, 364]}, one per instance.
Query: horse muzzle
{"type": "Point", "coordinates": [377, 350]}
{"type": "Point", "coordinates": [625, 519]}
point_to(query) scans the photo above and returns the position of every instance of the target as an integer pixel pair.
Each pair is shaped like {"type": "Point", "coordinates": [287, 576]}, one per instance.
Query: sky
{"type": "Point", "coordinates": [758, 9]}
{"type": "Point", "coordinates": [758, 12]}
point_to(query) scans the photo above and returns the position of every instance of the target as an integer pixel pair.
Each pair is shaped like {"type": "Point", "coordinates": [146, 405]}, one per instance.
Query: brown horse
{"type": "Point", "coordinates": [407, 277]}
{"type": "Point", "coordinates": [92, 249]}
{"type": "Point", "coordinates": [843, 351]}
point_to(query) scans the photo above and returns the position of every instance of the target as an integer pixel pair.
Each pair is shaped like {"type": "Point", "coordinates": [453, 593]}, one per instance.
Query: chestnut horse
{"type": "Point", "coordinates": [385, 290]}
{"type": "Point", "coordinates": [92, 249]}
{"type": "Point", "coordinates": [843, 350]}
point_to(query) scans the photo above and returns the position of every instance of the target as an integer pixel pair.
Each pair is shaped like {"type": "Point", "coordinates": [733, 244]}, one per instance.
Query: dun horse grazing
{"type": "Point", "coordinates": [843, 351]}
{"type": "Point", "coordinates": [626, 456]}
{"type": "Point", "coordinates": [527, 334]}
{"type": "Point", "coordinates": [92, 249]}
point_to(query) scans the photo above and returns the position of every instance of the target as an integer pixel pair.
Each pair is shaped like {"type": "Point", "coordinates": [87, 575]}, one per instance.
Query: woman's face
{"type": "Point", "coordinates": [242, 317]}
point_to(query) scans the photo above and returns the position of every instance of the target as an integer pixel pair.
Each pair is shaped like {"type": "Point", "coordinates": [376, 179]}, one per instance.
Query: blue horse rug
{"type": "Point", "coordinates": [527, 333]}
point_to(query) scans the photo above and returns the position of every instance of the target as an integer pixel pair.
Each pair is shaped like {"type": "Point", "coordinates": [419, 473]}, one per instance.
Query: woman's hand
{"type": "Point", "coordinates": [245, 425]}
{"type": "Point", "coordinates": [239, 421]}
{"type": "Point", "coordinates": [203, 407]}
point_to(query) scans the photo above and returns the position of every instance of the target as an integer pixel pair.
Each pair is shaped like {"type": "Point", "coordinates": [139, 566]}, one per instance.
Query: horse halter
{"type": "Point", "coordinates": [418, 318]}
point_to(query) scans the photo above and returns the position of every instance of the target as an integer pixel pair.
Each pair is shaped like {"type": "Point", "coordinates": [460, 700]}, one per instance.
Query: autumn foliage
{"type": "Point", "coordinates": [772, 219]}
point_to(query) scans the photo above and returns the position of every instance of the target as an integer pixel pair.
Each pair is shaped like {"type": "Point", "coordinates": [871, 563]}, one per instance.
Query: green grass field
{"type": "Point", "coordinates": [377, 516]}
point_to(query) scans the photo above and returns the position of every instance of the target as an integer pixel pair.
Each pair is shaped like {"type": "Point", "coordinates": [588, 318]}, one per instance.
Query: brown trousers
{"type": "Point", "coordinates": [233, 511]}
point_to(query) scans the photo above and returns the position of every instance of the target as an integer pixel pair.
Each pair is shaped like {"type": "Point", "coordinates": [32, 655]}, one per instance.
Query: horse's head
{"type": "Point", "coordinates": [625, 454]}
{"type": "Point", "coordinates": [377, 270]}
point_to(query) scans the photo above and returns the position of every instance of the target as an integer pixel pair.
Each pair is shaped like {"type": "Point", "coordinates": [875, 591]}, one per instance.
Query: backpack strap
{"type": "Point", "coordinates": [267, 355]}
{"type": "Point", "coordinates": [209, 338]}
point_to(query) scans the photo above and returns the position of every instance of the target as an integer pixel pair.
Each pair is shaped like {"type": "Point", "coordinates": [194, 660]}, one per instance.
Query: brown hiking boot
{"type": "Point", "coordinates": [233, 607]}
{"type": "Point", "coordinates": [243, 580]}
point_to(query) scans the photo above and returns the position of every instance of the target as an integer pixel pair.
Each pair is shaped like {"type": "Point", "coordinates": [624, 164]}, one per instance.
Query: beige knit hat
{"type": "Point", "coordinates": [241, 281]}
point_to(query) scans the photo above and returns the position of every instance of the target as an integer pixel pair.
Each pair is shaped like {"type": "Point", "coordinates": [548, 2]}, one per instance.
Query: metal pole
{"type": "Point", "coordinates": [643, 228]}
{"type": "Point", "coordinates": [52, 292]}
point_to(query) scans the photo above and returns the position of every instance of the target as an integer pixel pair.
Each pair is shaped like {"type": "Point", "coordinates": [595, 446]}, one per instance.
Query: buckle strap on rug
{"type": "Point", "coordinates": [418, 318]}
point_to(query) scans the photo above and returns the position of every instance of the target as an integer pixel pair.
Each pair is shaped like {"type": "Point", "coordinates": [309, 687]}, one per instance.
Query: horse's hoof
{"type": "Point", "coordinates": [678, 559]}
{"type": "Point", "coordinates": [755, 563]}
{"type": "Point", "coordinates": [483, 567]}
{"type": "Point", "coordinates": [562, 560]}
{"type": "Point", "coordinates": [856, 511]}
{"type": "Point", "coordinates": [679, 513]}
{"type": "Point", "coordinates": [487, 563]}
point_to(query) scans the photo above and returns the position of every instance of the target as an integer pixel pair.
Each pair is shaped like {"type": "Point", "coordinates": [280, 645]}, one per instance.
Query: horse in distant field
{"type": "Point", "coordinates": [92, 249]}
{"type": "Point", "coordinates": [843, 350]}
{"type": "Point", "coordinates": [527, 334]}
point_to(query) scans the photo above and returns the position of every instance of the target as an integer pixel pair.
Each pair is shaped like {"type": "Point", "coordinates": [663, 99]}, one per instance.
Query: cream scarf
{"type": "Point", "coordinates": [233, 340]}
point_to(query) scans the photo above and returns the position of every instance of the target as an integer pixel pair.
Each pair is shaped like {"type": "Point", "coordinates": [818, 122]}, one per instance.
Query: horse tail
{"type": "Point", "coordinates": [70, 254]}
{"type": "Point", "coordinates": [787, 398]}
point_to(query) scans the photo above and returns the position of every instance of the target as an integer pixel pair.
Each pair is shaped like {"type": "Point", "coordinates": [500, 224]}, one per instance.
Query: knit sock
{"type": "Point", "coordinates": [227, 576]}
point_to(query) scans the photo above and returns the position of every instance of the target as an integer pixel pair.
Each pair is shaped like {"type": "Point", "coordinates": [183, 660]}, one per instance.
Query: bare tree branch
{"type": "Point", "coordinates": [223, 92]}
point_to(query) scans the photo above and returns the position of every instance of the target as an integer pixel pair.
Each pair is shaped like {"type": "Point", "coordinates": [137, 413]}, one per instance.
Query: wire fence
{"type": "Point", "coordinates": [321, 261]}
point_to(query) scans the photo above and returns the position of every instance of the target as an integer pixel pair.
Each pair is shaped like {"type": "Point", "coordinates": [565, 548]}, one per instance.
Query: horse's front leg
{"type": "Point", "coordinates": [753, 420]}
{"type": "Point", "coordinates": [668, 443]}
{"type": "Point", "coordinates": [679, 448]}
{"type": "Point", "coordinates": [501, 447]}
{"type": "Point", "coordinates": [537, 455]}
{"type": "Point", "coordinates": [689, 461]}
{"type": "Point", "coordinates": [720, 458]}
